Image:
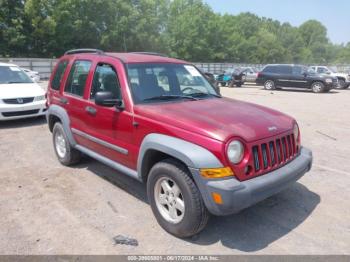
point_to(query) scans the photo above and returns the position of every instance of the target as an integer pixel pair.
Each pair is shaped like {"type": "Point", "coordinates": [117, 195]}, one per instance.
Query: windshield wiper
{"type": "Point", "coordinates": [16, 82]}
{"type": "Point", "coordinates": [201, 94]}
{"type": "Point", "coordinates": [169, 97]}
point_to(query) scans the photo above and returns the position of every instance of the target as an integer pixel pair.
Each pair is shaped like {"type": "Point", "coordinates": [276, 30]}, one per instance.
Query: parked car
{"type": "Point", "coordinates": [343, 78]}
{"type": "Point", "coordinates": [231, 77]}
{"type": "Point", "coordinates": [211, 78]}
{"type": "Point", "coordinates": [20, 97]}
{"type": "Point", "coordinates": [250, 73]}
{"type": "Point", "coordinates": [296, 76]}
{"type": "Point", "coordinates": [199, 153]}
{"type": "Point", "coordinates": [34, 75]}
{"type": "Point", "coordinates": [224, 78]}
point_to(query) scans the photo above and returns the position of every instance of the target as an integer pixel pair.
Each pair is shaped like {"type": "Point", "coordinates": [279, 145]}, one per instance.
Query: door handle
{"type": "Point", "coordinates": [91, 110]}
{"type": "Point", "coordinates": [64, 100]}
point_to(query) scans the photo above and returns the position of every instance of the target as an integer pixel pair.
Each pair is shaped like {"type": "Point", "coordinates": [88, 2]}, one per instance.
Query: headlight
{"type": "Point", "coordinates": [296, 133]}
{"type": "Point", "coordinates": [235, 152]}
{"type": "Point", "coordinates": [329, 80]}
{"type": "Point", "coordinates": [39, 98]}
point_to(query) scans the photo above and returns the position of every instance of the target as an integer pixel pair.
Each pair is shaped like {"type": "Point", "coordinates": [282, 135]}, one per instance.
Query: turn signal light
{"type": "Point", "coordinates": [216, 172]}
{"type": "Point", "coordinates": [217, 198]}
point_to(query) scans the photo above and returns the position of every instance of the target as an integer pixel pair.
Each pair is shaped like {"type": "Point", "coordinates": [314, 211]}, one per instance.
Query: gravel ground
{"type": "Point", "coordinates": [46, 208]}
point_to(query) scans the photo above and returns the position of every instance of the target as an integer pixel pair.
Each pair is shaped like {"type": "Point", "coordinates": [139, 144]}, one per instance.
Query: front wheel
{"type": "Point", "coordinates": [318, 87]}
{"type": "Point", "coordinates": [175, 199]}
{"type": "Point", "coordinates": [269, 85]}
{"type": "Point", "coordinates": [341, 84]}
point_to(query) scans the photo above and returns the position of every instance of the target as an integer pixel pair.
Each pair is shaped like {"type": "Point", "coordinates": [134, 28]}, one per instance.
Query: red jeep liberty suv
{"type": "Point", "coordinates": [160, 121]}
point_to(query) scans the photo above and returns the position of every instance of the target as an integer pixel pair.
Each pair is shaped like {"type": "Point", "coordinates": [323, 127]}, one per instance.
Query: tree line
{"type": "Point", "coordinates": [187, 29]}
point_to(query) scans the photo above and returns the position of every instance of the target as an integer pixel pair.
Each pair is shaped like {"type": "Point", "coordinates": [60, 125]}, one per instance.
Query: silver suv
{"type": "Point", "coordinates": [343, 78]}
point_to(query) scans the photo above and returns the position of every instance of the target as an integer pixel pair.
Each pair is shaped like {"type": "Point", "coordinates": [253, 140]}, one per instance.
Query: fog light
{"type": "Point", "coordinates": [216, 172]}
{"type": "Point", "coordinates": [217, 198]}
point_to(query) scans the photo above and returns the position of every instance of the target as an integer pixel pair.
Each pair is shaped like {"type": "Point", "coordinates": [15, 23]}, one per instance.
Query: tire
{"type": "Point", "coordinates": [239, 84]}
{"type": "Point", "coordinates": [223, 84]}
{"type": "Point", "coordinates": [161, 190]}
{"type": "Point", "coordinates": [66, 154]}
{"type": "Point", "coordinates": [269, 85]}
{"type": "Point", "coordinates": [318, 87]}
{"type": "Point", "coordinates": [341, 84]}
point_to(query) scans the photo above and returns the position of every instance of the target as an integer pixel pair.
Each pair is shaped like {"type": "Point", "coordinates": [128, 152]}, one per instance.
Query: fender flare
{"type": "Point", "coordinates": [61, 113]}
{"type": "Point", "coordinates": [194, 156]}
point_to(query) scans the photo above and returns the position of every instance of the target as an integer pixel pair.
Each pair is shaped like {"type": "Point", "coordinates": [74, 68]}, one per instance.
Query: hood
{"type": "Point", "coordinates": [220, 118]}
{"type": "Point", "coordinates": [20, 90]}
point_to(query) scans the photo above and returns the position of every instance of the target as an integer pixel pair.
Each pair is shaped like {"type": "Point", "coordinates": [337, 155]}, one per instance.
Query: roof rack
{"type": "Point", "coordinates": [84, 50]}
{"type": "Point", "coordinates": [149, 53]}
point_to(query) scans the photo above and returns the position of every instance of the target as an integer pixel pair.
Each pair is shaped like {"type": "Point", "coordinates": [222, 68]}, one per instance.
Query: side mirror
{"type": "Point", "coordinates": [107, 99]}
{"type": "Point", "coordinates": [305, 74]}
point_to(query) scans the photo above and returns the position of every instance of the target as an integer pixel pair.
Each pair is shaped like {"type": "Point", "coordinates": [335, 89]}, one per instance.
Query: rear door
{"type": "Point", "coordinates": [283, 73]}
{"type": "Point", "coordinates": [298, 77]}
{"type": "Point", "coordinates": [73, 94]}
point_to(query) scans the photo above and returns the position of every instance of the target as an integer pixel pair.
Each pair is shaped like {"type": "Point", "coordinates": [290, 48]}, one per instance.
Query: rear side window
{"type": "Point", "coordinates": [297, 70]}
{"type": "Point", "coordinates": [77, 77]}
{"type": "Point", "coordinates": [270, 69]}
{"type": "Point", "coordinates": [285, 69]}
{"type": "Point", "coordinates": [56, 81]}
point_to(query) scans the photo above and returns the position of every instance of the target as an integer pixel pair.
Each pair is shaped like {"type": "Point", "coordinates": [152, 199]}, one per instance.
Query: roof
{"type": "Point", "coordinates": [145, 58]}
{"type": "Point", "coordinates": [6, 64]}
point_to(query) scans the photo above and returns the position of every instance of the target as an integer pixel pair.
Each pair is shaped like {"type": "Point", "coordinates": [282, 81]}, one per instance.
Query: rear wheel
{"type": "Point", "coordinates": [65, 153]}
{"type": "Point", "coordinates": [269, 85]}
{"type": "Point", "coordinates": [317, 87]}
{"type": "Point", "coordinates": [175, 199]}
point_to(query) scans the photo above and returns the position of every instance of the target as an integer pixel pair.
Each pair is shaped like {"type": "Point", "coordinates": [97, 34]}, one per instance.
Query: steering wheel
{"type": "Point", "coordinates": [190, 89]}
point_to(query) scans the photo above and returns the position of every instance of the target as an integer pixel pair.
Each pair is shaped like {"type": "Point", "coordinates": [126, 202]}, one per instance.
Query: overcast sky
{"type": "Point", "coordinates": [334, 14]}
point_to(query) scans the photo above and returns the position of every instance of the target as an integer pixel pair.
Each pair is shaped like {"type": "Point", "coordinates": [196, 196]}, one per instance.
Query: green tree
{"type": "Point", "coordinates": [13, 30]}
{"type": "Point", "coordinates": [189, 30]}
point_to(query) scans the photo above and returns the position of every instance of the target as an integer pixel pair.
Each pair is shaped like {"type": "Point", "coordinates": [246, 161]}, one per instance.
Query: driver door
{"type": "Point", "coordinates": [109, 130]}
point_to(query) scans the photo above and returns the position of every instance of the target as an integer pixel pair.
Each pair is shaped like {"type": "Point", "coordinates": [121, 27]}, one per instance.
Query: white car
{"type": "Point", "coordinates": [34, 75]}
{"type": "Point", "coordinates": [20, 97]}
{"type": "Point", "coordinates": [343, 79]}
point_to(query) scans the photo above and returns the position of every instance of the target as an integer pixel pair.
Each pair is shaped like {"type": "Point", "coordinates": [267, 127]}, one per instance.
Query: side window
{"type": "Point", "coordinates": [270, 69]}
{"type": "Point", "coordinates": [56, 80]}
{"type": "Point", "coordinates": [297, 70]}
{"type": "Point", "coordinates": [77, 77]}
{"type": "Point", "coordinates": [105, 79]}
{"type": "Point", "coordinates": [285, 69]}
{"type": "Point", "coordinates": [321, 70]}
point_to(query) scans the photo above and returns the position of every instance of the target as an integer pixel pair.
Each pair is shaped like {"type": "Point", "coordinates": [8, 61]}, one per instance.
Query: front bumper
{"type": "Point", "coordinates": [17, 111]}
{"type": "Point", "coordinates": [237, 195]}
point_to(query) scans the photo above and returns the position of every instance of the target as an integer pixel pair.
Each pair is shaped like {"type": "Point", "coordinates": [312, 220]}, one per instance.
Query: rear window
{"type": "Point", "coordinates": [56, 80]}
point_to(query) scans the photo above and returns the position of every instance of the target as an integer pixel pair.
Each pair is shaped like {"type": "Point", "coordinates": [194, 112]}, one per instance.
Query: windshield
{"type": "Point", "coordinates": [165, 82]}
{"type": "Point", "coordinates": [12, 75]}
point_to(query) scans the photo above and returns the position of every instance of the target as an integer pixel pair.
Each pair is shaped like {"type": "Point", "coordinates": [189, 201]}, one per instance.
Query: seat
{"type": "Point", "coordinates": [79, 90]}
{"type": "Point", "coordinates": [148, 87]}
{"type": "Point", "coordinates": [110, 83]}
